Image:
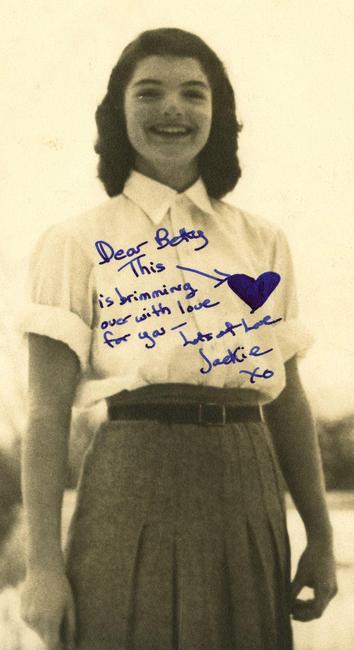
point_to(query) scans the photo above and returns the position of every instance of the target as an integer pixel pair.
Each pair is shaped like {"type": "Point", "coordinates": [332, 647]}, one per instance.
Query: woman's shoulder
{"type": "Point", "coordinates": [88, 226]}
{"type": "Point", "coordinates": [243, 221]}
{"type": "Point", "coordinates": [96, 218]}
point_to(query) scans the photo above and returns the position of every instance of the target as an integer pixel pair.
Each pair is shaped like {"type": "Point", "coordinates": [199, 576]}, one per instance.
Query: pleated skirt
{"type": "Point", "coordinates": [179, 540]}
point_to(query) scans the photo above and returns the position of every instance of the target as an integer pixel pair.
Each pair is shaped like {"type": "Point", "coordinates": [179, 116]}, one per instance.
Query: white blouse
{"type": "Point", "coordinates": [137, 288]}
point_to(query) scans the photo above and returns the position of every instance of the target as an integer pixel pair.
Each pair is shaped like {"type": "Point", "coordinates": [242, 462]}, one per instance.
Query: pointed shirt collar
{"type": "Point", "coordinates": [155, 199]}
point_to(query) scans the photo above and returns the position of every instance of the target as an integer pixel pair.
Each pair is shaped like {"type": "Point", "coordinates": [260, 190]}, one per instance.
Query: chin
{"type": "Point", "coordinates": [176, 153]}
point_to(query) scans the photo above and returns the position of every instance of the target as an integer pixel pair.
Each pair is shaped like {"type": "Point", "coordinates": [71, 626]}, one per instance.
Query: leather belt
{"type": "Point", "coordinates": [204, 413]}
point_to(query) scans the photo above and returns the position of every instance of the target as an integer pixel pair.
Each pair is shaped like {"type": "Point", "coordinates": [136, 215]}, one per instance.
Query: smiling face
{"type": "Point", "coordinates": [168, 111]}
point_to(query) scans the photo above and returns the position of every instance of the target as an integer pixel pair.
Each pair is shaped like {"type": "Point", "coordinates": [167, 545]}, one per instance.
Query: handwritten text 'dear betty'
{"type": "Point", "coordinates": [254, 292]}
{"type": "Point", "coordinates": [162, 238]}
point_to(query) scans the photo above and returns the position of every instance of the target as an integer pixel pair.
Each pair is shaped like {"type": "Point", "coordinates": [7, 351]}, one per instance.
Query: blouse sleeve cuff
{"type": "Point", "coordinates": [61, 325]}
{"type": "Point", "coordinates": [293, 338]}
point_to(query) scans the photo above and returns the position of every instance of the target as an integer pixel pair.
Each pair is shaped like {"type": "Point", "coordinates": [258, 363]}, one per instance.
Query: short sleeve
{"type": "Point", "coordinates": [60, 292]}
{"type": "Point", "coordinates": [292, 335]}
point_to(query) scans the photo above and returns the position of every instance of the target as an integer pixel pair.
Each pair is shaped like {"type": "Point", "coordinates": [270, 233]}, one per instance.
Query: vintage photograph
{"type": "Point", "coordinates": [177, 439]}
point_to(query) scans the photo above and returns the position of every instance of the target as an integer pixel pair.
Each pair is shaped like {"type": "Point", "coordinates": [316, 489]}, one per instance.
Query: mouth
{"type": "Point", "coordinates": [170, 131]}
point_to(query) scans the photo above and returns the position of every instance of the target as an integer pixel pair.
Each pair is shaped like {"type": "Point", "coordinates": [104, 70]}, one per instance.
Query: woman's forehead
{"type": "Point", "coordinates": [167, 68]}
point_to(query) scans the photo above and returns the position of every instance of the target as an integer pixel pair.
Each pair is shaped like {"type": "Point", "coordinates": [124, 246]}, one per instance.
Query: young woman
{"type": "Point", "coordinates": [179, 536]}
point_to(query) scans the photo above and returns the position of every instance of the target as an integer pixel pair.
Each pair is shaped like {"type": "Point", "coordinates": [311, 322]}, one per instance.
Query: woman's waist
{"type": "Point", "coordinates": [185, 403]}
{"type": "Point", "coordinates": [184, 393]}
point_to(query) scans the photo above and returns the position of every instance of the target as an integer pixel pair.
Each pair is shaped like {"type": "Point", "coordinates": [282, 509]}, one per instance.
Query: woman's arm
{"type": "Point", "coordinates": [292, 427]}
{"type": "Point", "coordinates": [46, 598]}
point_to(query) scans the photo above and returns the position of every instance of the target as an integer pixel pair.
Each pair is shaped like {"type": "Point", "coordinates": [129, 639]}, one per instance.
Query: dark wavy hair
{"type": "Point", "coordinates": [218, 162]}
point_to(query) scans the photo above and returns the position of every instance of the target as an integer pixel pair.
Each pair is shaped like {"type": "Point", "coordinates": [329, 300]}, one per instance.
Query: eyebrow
{"type": "Point", "coordinates": [157, 82]}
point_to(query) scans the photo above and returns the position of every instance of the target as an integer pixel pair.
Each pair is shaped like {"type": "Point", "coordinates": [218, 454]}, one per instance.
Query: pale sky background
{"type": "Point", "coordinates": [291, 66]}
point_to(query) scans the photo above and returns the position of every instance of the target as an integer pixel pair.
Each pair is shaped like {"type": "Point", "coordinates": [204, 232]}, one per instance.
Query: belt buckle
{"type": "Point", "coordinates": [213, 409]}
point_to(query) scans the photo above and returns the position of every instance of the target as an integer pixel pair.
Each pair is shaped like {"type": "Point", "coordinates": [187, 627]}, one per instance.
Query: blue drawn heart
{"type": "Point", "coordinates": [253, 292]}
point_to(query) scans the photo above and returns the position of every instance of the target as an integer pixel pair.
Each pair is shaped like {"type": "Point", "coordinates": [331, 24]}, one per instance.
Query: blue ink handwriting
{"type": "Point", "coordinates": [231, 357]}
{"type": "Point", "coordinates": [163, 240]}
{"type": "Point", "coordinates": [115, 321]}
{"type": "Point", "coordinates": [176, 327]}
{"type": "Point", "coordinates": [107, 252]}
{"type": "Point", "coordinates": [219, 281]}
{"type": "Point", "coordinates": [264, 321]}
{"type": "Point", "coordinates": [150, 295]}
{"type": "Point", "coordinates": [155, 311]}
{"type": "Point", "coordinates": [229, 329]}
{"type": "Point", "coordinates": [199, 305]}
{"type": "Point", "coordinates": [140, 269]}
{"type": "Point", "coordinates": [115, 340]}
{"type": "Point", "coordinates": [253, 373]}
{"type": "Point", "coordinates": [151, 337]}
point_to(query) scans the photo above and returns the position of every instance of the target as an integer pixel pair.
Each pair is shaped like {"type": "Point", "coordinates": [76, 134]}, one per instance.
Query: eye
{"type": "Point", "coordinates": [148, 93]}
{"type": "Point", "coordinates": [195, 94]}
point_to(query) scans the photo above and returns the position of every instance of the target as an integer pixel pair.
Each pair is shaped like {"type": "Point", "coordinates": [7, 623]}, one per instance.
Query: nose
{"type": "Point", "coordinates": [171, 106]}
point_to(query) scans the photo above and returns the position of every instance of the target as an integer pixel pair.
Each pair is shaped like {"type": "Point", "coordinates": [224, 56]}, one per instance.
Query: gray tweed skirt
{"type": "Point", "coordinates": [179, 541]}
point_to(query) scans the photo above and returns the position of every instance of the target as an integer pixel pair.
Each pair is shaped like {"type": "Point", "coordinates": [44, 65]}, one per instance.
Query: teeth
{"type": "Point", "coordinates": [171, 129]}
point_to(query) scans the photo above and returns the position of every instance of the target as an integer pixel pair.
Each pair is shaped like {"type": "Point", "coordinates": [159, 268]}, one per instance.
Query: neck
{"type": "Point", "coordinates": [179, 177]}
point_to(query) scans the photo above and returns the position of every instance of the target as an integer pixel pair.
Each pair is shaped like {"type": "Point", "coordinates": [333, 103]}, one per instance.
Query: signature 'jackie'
{"type": "Point", "coordinates": [232, 356]}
